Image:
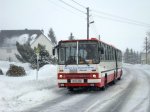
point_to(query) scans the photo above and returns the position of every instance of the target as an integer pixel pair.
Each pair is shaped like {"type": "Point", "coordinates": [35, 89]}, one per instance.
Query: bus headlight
{"type": "Point", "coordinates": [94, 76]}
{"type": "Point", "coordinates": [60, 76]}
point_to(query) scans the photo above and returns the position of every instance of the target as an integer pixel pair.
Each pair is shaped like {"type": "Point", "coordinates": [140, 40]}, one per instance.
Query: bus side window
{"type": "Point", "coordinates": [105, 52]}
{"type": "Point", "coordinates": [113, 54]}
{"type": "Point", "coordinates": [102, 56]}
{"type": "Point", "coordinates": [110, 53]}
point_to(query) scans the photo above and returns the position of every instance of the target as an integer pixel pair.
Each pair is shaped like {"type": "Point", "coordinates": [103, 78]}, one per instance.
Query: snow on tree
{"type": "Point", "coordinates": [1, 72]}
{"type": "Point", "coordinates": [15, 71]}
{"type": "Point", "coordinates": [44, 57]}
{"type": "Point", "coordinates": [26, 53]}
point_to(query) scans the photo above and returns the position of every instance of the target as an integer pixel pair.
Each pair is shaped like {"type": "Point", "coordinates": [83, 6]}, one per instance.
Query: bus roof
{"type": "Point", "coordinates": [92, 39]}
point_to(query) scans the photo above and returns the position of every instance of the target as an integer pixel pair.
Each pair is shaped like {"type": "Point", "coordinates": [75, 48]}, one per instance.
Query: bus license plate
{"type": "Point", "coordinates": [77, 81]}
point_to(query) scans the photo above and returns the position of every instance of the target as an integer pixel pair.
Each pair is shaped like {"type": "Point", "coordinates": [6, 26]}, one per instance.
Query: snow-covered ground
{"type": "Point", "coordinates": [20, 93]}
{"type": "Point", "coordinates": [24, 93]}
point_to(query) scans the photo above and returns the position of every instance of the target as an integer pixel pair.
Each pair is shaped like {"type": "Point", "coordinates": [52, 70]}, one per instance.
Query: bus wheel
{"type": "Point", "coordinates": [114, 81]}
{"type": "Point", "coordinates": [120, 76]}
{"type": "Point", "coordinates": [97, 88]}
{"type": "Point", "coordinates": [70, 89]}
{"type": "Point", "coordinates": [103, 88]}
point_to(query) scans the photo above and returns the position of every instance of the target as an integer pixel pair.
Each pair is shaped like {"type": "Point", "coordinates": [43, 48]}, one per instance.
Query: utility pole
{"type": "Point", "coordinates": [146, 48]}
{"type": "Point", "coordinates": [99, 37]}
{"type": "Point", "coordinates": [87, 23]}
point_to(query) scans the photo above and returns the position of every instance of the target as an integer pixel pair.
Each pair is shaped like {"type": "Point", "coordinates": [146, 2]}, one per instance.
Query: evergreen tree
{"type": "Point", "coordinates": [26, 53]}
{"type": "Point", "coordinates": [126, 56]}
{"type": "Point", "coordinates": [44, 57]}
{"type": "Point", "coordinates": [71, 37]}
{"type": "Point", "coordinates": [132, 57]}
{"type": "Point", "coordinates": [52, 36]}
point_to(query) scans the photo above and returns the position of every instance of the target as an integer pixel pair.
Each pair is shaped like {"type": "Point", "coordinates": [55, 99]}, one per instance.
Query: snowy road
{"type": "Point", "coordinates": [131, 94]}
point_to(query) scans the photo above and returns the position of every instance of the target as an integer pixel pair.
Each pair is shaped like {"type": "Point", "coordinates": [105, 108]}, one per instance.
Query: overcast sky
{"type": "Point", "coordinates": [46, 14]}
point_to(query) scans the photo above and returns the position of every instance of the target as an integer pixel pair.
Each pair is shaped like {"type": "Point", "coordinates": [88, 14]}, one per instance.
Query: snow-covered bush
{"type": "Point", "coordinates": [15, 71]}
{"type": "Point", "coordinates": [1, 72]}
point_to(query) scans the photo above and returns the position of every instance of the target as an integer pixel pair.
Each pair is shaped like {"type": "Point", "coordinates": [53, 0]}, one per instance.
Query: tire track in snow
{"type": "Point", "coordinates": [51, 102]}
{"type": "Point", "coordinates": [117, 104]}
{"type": "Point", "coordinates": [139, 105]}
{"type": "Point", "coordinates": [39, 89]}
{"type": "Point", "coordinates": [148, 78]}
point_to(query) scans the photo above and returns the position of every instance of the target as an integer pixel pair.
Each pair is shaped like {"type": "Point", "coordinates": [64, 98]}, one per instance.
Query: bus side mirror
{"type": "Point", "coordinates": [56, 47]}
{"type": "Point", "coordinates": [54, 52]}
{"type": "Point", "coordinates": [101, 50]}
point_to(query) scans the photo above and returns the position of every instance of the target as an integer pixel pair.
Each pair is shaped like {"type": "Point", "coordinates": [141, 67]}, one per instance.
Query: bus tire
{"type": "Point", "coordinates": [114, 81]}
{"type": "Point", "coordinates": [70, 89]}
{"type": "Point", "coordinates": [120, 75]}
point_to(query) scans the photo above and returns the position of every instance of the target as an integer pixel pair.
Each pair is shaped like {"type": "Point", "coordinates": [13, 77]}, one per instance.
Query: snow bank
{"type": "Point", "coordinates": [19, 93]}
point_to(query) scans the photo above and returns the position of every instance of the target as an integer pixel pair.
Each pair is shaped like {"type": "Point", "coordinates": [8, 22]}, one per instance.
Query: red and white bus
{"type": "Point", "coordinates": [87, 63]}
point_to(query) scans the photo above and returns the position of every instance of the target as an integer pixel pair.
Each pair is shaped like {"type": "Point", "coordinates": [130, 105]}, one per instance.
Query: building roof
{"type": "Point", "coordinates": [44, 36]}
{"type": "Point", "coordinates": [8, 38]}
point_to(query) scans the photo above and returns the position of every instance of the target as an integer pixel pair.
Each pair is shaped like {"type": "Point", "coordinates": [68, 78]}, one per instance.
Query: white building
{"type": "Point", "coordinates": [143, 58]}
{"type": "Point", "coordinates": [8, 42]}
{"type": "Point", "coordinates": [8, 54]}
{"type": "Point", "coordinates": [43, 40]}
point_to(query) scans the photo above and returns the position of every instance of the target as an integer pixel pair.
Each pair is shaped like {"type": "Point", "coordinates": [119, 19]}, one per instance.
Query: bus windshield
{"type": "Point", "coordinates": [85, 53]}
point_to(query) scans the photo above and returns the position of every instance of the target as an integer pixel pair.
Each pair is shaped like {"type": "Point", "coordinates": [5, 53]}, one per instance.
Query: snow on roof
{"type": "Point", "coordinates": [8, 38]}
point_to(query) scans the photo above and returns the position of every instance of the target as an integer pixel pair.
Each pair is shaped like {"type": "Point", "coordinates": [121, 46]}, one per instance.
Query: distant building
{"type": "Point", "coordinates": [143, 58]}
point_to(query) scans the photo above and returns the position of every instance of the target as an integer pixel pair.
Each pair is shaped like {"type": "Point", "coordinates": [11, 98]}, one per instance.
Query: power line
{"type": "Point", "coordinates": [121, 18]}
{"type": "Point", "coordinates": [61, 7]}
{"type": "Point", "coordinates": [72, 6]}
{"type": "Point", "coordinates": [78, 4]}
{"type": "Point", "coordinates": [56, 4]}
{"type": "Point", "coordinates": [121, 21]}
